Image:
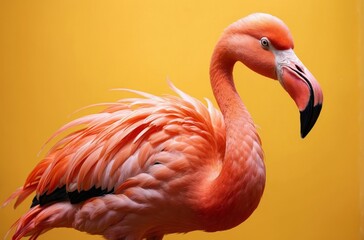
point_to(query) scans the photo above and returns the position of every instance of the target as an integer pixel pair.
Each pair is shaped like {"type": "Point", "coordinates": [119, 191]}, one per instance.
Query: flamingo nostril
{"type": "Point", "coordinates": [299, 68]}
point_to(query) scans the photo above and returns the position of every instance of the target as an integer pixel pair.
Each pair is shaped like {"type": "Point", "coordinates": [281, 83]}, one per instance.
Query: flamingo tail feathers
{"type": "Point", "coordinates": [40, 219]}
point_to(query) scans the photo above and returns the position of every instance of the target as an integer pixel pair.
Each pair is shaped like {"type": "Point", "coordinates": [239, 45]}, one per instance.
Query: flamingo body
{"type": "Point", "coordinates": [148, 166]}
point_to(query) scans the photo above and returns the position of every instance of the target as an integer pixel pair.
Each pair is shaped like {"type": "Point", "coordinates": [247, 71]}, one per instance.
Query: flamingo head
{"type": "Point", "coordinates": [264, 44]}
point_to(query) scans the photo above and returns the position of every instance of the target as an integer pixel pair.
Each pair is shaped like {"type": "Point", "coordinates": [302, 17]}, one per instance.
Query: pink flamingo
{"type": "Point", "coordinates": [150, 166]}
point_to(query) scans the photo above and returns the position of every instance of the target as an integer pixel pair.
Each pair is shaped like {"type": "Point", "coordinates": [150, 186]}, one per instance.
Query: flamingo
{"type": "Point", "coordinates": [149, 166]}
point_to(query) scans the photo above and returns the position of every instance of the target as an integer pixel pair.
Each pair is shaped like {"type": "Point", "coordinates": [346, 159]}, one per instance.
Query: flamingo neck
{"type": "Point", "coordinates": [235, 193]}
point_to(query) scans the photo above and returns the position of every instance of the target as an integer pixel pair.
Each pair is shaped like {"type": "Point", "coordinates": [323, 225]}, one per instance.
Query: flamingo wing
{"type": "Point", "coordinates": [134, 145]}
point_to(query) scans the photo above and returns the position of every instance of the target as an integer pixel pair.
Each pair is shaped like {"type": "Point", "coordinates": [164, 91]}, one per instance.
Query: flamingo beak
{"type": "Point", "coordinates": [302, 86]}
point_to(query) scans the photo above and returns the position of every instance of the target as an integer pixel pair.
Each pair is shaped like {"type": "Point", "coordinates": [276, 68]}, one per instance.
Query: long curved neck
{"type": "Point", "coordinates": [236, 192]}
{"type": "Point", "coordinates": [223, 87]}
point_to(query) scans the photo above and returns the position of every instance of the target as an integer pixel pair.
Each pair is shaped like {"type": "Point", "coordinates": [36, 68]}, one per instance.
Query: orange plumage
{"type": "Point", "coordinates": [148, 166]}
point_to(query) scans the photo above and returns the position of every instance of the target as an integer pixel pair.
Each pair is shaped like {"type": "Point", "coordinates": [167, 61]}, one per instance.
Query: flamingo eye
{"type": "Point", "coordinates": [264, 42]}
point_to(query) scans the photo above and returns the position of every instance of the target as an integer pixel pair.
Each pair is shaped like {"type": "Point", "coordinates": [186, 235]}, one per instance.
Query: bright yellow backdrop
{"type": "Point", "coordinates": [58, 56]}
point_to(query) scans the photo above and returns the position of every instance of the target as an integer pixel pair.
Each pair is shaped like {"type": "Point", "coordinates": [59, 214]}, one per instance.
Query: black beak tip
{"type": "Point", "coordinates": [308, 118]}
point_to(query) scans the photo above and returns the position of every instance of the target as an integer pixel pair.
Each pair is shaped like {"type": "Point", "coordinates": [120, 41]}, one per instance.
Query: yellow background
{"type": "Point", "coordinates": [58, 56]}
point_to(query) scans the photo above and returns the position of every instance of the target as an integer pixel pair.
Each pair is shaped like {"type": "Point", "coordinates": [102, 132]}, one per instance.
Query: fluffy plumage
{"type": "Point", "coordinates": [131, 148]}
